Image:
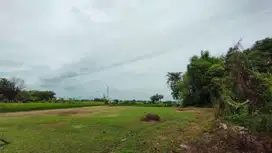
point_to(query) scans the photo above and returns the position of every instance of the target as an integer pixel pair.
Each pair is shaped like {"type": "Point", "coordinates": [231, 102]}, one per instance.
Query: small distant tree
{"type": "Point", "coordinates": [61, 100]}
{"type": "Point", "coordinates": [156, 98]}
{"type": "Point", "coordinates": [115, 101]}
{"type": "Point", "coordinates": [133, 101]}
{"type": "Point", "coordinates": [106, 100]}
{"type": "Point", "coordinates": [98, 99]}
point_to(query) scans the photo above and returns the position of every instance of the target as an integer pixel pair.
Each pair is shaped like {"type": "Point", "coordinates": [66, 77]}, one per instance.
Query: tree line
{"type": "Point", "coordinates": [12, 90]}
{"type": "Point", "coordinates": [157, 98]}
{"type": "Point", "coordinates": [238, 84]}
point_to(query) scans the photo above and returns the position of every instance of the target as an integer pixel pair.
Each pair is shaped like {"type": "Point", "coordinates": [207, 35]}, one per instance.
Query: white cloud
{"type": "Point", "coordinates": [78, 47]}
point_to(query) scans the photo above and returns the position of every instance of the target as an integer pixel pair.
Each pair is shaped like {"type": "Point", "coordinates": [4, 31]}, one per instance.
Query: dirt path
{"type": "Point", "coordinates": [64, 112]}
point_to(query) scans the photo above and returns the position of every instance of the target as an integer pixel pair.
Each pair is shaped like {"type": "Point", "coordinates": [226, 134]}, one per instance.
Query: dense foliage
{"type": "Point", "coordinates": [35, 95]}
{"type": "Point", "coordinates": [12, 90]}
{"type": "Point", "coordinates": [238, 85]}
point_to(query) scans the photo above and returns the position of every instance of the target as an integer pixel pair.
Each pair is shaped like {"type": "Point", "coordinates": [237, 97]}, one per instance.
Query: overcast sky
{"type": "Point", "coordinates": [78, 47]}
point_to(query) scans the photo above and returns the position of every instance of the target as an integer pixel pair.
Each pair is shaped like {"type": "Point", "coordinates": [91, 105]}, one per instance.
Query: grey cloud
{"type": "Point", "coordinates": [10, 63]}
{"type": "Point", "coordinates": [88, 71]}
{"type": "Point", "coordinates": [70, 88]}
{"type": "Point", "coordinates": [75, 10]}
{"type": "Point", "coordinates": [62, 76]}
{"type": "Point", "coordinates": [77, 48]}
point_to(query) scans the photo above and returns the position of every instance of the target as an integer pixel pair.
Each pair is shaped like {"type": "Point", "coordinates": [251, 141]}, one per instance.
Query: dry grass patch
{"type": "Point", "coordinates": [193, 109]}
{"type": "Point", "coordinates": [54, 123]}
{"type": "Point", "coordinates": [58, 112]}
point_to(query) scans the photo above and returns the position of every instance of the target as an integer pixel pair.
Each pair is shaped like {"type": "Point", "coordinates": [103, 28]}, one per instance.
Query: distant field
{"type": "Point", "coordinates": [15, 107]}
{"type": "Point", "coordinates": [101, 129]}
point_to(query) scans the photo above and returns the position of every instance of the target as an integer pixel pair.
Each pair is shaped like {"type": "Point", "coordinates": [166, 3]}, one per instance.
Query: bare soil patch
{"type": "Point", "coordinates": [59, 112]}
{"type": "Point", "coordinates": [193, 109]}
{"type": "Point", "coordinates": [56, 123]}
{"type": "Point", "coordinates": [198, 111]}
{"type": "Point", "coordinates": [112, 115]}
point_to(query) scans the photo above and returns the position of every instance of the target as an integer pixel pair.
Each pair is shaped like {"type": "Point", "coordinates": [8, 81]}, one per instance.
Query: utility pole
{"type": "Point", "coordinates": [108, 97]}
{"type": "Point", "coordinates": [108, 92]}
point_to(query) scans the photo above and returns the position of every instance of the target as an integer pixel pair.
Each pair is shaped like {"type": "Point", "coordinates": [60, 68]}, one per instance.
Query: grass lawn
{"type": "Point", "coordinates": [100, 129]}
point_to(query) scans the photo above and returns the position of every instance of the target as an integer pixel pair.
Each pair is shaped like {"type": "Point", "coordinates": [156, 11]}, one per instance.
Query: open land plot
{"type": "Point", "coordinates": [100, 129]}
{"type": "Point", "coordinates": [15, 107]}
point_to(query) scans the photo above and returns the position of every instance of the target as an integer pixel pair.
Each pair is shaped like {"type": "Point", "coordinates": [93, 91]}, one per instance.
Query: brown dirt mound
{"type": "Point", "coordinates": [151, 117]}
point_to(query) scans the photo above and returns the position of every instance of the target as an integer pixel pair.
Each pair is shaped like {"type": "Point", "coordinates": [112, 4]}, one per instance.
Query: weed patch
{"type": "Point", "coordinates": [228, 138]}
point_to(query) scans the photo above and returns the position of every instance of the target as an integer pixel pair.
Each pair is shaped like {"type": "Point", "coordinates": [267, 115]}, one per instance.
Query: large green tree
{"type": "Point", "coordinates": [194, 85]}
{"type": "Point", "coordinates": [238, 85]}
{"type": "Point", "coordinates": [9, 88]}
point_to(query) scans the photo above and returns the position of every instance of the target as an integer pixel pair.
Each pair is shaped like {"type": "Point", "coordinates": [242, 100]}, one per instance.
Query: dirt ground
{"type": "Point", "coordinates": [81, 111]}
{"type": "Point", "coordinates": [60, 112]}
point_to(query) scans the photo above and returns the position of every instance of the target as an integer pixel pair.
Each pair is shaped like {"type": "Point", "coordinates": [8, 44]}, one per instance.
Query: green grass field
{"type": "Point", "coordinates": [100, 129]}
{"type": "Point", "coordinates": [15, 107]}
